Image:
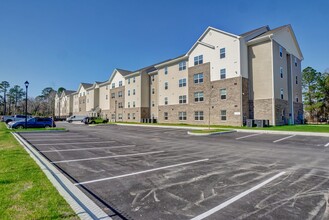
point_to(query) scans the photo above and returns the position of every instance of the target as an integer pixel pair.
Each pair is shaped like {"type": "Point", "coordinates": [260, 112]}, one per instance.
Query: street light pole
{"type": "Point", "coordinates": [26, 86]}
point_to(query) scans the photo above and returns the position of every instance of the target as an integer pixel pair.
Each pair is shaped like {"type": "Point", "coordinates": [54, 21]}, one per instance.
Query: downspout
{"type": "Point", "coordinates": [273, 88]}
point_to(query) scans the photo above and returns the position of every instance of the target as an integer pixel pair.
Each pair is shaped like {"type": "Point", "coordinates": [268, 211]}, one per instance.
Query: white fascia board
{"type": "Point", "coordinates": [296, 42]}
{"type": "Point", "coordinates": [153, 72]}
{"type": "Point", "coordinates": [261, 39]}
{"type": "Point", "coordinates": [171, 62]}
{"type": "Point", "coordinates": [132, 74]}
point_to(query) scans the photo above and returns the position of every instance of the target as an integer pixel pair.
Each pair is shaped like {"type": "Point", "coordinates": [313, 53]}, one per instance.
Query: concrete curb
{"type": "Point", "coordinates": [82, 205]}
{"type": "Point", "coordinates": [208, 134]}
{"type": "Point", "coordinates": [42, 131]}
{"type": "Point", "coordinates": [318, 134]}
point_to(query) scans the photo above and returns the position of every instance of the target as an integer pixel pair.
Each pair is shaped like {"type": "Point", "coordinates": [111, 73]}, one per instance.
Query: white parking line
{"type": "Point", "coordinates": [63, 139]}
{"type": "Point", "coordinates": [284, 138]}
{"type": "Point", "coordinates": [67, 143]}
{"type": "Point", "coordinates": [251, 135]}
{"type": "Point", "coordinates": [89, 148]}
{"type": "Point", "coordinates": [327, 145]}
{"type": "Point", "coordinates": [140, 172]}
{"type": "Point", "coordinates": [230, 201]}
{"type": "Point", "coordinates": [115, 156]}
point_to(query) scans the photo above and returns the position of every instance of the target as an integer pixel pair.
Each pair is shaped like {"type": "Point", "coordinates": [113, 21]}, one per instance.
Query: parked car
{"type": "Point", "coordinates": [33, 123]}
{"type": "Point", "coordinates": [94, 120]}
{"type": "Point", "coordinates": [9, 118]}
{"type": "Point", "coordinates": [75, 118]}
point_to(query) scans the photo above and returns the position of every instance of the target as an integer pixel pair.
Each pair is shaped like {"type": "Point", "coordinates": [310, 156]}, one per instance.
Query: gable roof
{"type": "Point", "coordinates": [254, 30]}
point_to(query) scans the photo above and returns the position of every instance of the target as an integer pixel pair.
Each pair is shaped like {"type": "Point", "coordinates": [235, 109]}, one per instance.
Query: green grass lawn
{"type": "Point", "coordinates": [38, 129]}
{"type": "Point", "coordinates": [208, 131]}
{"type": "Point", "coordinates": [301, 128]}
{"type": "Point", "coordinates": [25, 191]}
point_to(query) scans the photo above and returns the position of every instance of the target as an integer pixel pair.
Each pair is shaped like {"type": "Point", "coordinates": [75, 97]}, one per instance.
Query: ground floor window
{"type": "Point", "coordinates": [165, 115]}
{"type": "Point", "coordinates": [128, 115]}
{"type": "Point", "coordinates": [182, 116]}
{"type": "Point", "coordinates": [198, 115]}
{"type": "Point", "coordinates": [120, 116]}
{"type": "Point", "coordinates": [113, 116]}
{"type": "Point", "coordinates": [223, 115]}
{"type": "Point", "coordinates": [133, 115]}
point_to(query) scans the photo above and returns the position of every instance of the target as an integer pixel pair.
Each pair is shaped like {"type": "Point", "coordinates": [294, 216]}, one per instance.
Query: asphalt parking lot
{"type": "Point", "coordinates": [163, 173]}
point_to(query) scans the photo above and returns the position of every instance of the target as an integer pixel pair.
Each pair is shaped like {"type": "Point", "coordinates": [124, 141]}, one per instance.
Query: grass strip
{"type": "Point", "coordinates": [26, 192]}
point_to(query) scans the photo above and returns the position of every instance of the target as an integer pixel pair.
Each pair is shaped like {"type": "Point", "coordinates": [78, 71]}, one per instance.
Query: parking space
{"type": "Point", "coordinates": [162, 173]}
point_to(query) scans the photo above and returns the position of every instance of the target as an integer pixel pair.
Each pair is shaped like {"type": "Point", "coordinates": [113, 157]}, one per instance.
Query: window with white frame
{"type": "Point", "coordinates": [281, 72]}
{"type": "Point", "coordinates": [295, 61]}
{"type": "Point", "coordinates": [166, 70]}
{"type": "Point", "coordinates": [182, 99]}
{"type": "Point", "coordinates": [182, 82]}
{"type": "Point", "coordinates": [120, 94]}
{"type": "Point", "coordinates": [134, 79]}
{"type": "Point", "coordinates": [128, 80]}
{"type": "Point", "coordinates": [198, 96]}
{"type": "Point", "coordinates": [113, 95]}
{"type": "Point", "coordinates": [134, 104]}
{"type": "Point", "coordinates": [128, 104]}
{"type": "Point", "coordinates": [198, 60]}
{"type": "Point", "coordinates": [120, 83]}
{"type": "Point", "coordinates": [106, 87]}
{"type": "Point", "coordinates": [128, 116]}
{"type": "Point", "coordinates": [120, 105]}
{"type": "Point", "coordinates": [120, 116]}
{"type": "Point", "coordinates": [153, 104]}
{"type": "Point", "coordinates": [198, 78]}
{"type": "Point", "coordinates": [198, 115]}
{"type": "Point", "coordinates": [153, 91]}
{"type": "Point", "coordinates": [222, 93]}
{"type": "Point", "coordinates": [113, 116]}
{"type": "Point", "coordinates": [281, 93]}
{"type": "Point", "coordinates": [113, 85]}
{"type": "Point", "coordinates": [133, 115]}
{"type": "Point", "coordinates": [281, 51]}
{"type": "Point", "coordinates": [166, 100]}
{"type": "Point", "coordinates": [129, 92]}
{"type": "Point", "coordinates": [165, 115]}
{"type": "Point", "coordinates": [222, 73]}
{"type": "Point", "coordinates": [166, 85]}
{"type": "Point", "coordinates": [106, 97]}
{"type": "Point", "coordinates": [182, 116]}
{"type": "Point", "coordinates": [223, 115]}
{"type": "Point", "coordinates": [134, 92]}
{"type": "Point", "coordinates": [222, 53]}
{"type": "Point", "coordinates": [182, 65]}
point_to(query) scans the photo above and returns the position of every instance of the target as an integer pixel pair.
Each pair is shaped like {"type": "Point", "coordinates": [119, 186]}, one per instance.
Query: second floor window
{"type": "Point", "coordinates": [128, 80]}
{"type": "Point", "coordinates": [182, 99]}
{"type": "Point", "coordinates": [166, 100]}
{"type": "Point", "coordinates": [166, 85]}
{"type": "Point", "coordinates": [198, 60]}
{"type": "Point", "coordinates": [128, 104]}
{"type": "Point", "coordinates": [198, 96]}
{"type": "Point", "coordinates": [120, 105]}
{"type": "Point", "coordinates": [222, 53]}
{"type": "Point", "coordinates": [134, 105]}
{"type": "Point", "coordinates": [113, 85]}
{"type": "Point", "coordinates": [182, 65]}
{"type": "Point", "coordinates": [295, 61]}
{"type": "Point", "coordinates": [182, 82]}
{"type": "Point", "coordinates": [120, 83]}
{"type": "Point", "coordinates": [222, 93]}
{"type": "Point", "coordinates": [198, 78]}
{"type": "Point", "coordinates": [223, 74]}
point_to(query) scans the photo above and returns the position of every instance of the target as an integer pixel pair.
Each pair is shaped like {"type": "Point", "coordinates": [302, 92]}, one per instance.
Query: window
{"type": "Point", "coordinates": [134, 105]}
{"type": "Point", "coordinates": [296, 79]}
{"type": "Point", "coordinates": [129, 81]}
{"type": "Point", "coordinates": [113, 116]}
{"type": "Point", "coordinates": [120, 83]}
{"type": "Point", "coordinates": [281, 93]}
{"type": "Point", "coordinates": [198, 96]}
{"type": "Point", "coordinates": [128, 116]}
{"type": "Point", "coordinates": [198, 78]}
{"type": "Point", "coordinates": [296, 98]}
{"type": "Point", "coordinates": [281, 53]}
{"type": "Point", "coordinates": [120, 94]}
{"type": "Point", "coordinates": [153, 78]}
{"type": "Point", "coordinates": [182, 65]}
{"type": "Point", "coordinates": [133, 115]}
{"type": "Point", "coordinates": [283, 114]}
{"type": "Point", "coordinates": [223, 74]}
{"type": "Point", "coordinates": [152, 90]}
{"type": "Point", "coordinates": [182, 99]}
{"type": "Point", "coordinates": [120, 105]}
{"type": "Point", "coordinates": [198, 60]}
{"type": "Point", "coordinates": [223, 115]}
{"type": "Point", "coordinates": [113, 85]}
{"type": "Point", "coordinates": [134, 92]}
{"type": "Point", "coordinates": [198, 115]}
{"type": "Point", "coordinates": [112, 95]}
{"type": "Point", "coordinates": [152, 103]}
{"type": "Point", "coordinates": [222, 93]}
{"type": "Point", "coordinates": [166, 85]}
{"type": "Point", "coordinates": [106, 97]}
{"type": "Point", "coordinates": [182, 116]}
{"type": "Point", "coordinates": [128, 104]}
{"type": "Point", "coordinates": [120, 116]}
{"type": "Point", "coordinates": [295, 60]}
{"type": "Point", "coordinates": [134, 79]}
{"type": "Point", "coordinates": [107, 87]}
{"type": "Point", "coordinates": [281, 72]}
{"type": "Point", "coordinates": [182, 82]}
{"type": "Point", "coordinates": [166, 70]}
{"type": "Point", "coordinates": [128, 92]}
{"type": "Point", "coordinates": [165, 115]}
{"type": "Point", "coordinates": [222, 53]}
{"type": "Point", "coordinates": [166, 100]}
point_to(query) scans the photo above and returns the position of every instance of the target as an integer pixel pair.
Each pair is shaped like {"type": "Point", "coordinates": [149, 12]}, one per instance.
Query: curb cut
{"type": "Point", "coordinates": [208, 134]}
{"type": "Point", "coordinates": [82, 205]}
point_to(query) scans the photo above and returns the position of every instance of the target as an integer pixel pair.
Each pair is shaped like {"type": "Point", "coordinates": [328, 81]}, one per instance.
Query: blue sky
{"type": "Point", "coordinates": [62, 43]}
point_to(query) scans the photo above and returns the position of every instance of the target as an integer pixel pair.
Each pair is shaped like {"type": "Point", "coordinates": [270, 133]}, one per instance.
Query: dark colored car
{"type": "Point", "coordinates": [33, 123]}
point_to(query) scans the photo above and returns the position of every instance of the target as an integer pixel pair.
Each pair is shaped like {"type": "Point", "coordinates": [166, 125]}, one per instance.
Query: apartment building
{"type": "Point", "coordinates": [222, 79]}
{"type": "Point", "coordinates": [64, 104]}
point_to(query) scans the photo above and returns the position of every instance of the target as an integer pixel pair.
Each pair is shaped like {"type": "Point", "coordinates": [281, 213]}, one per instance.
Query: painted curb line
{"type": "Point", "coordinates": [82, 205]}
{"type": "Point", "coordinates": [208, 134]}
{"type": "Point", "coordinates": [301, 133]}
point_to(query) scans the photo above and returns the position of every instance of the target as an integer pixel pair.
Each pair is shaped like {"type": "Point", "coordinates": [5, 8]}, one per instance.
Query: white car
{"type": "Point", "coordinates": [77, 118]}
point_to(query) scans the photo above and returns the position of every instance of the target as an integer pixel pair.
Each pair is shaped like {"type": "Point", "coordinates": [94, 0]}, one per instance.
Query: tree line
{"type": "Point", "coordinates": [12, 100]}
{"type": "Point", "coordinates": [316, 94]}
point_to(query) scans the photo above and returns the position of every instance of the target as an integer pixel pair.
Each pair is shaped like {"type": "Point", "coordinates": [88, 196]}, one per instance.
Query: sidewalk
{"type": "Point", "coordinates": [319, 134]}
